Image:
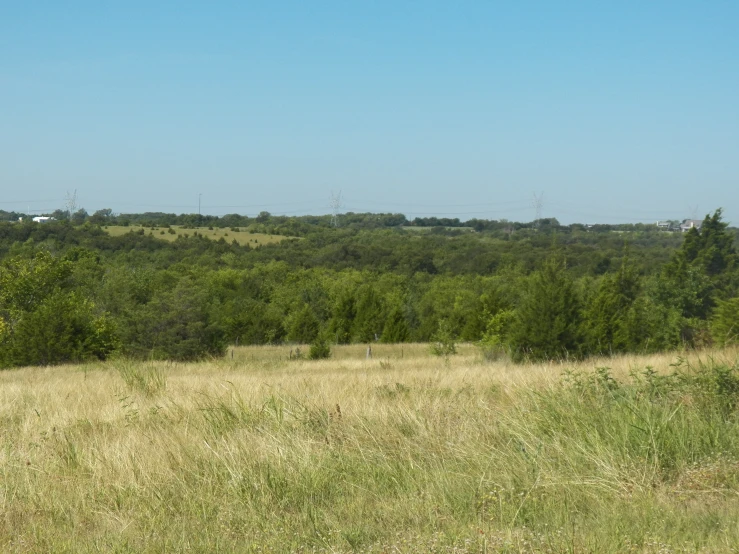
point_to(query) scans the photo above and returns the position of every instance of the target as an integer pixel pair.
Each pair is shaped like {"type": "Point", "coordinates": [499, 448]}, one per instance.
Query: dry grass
{"type": "Point", "coordinates": [405, 452]}
{"type": "Point", "coordinates": [242, 236]}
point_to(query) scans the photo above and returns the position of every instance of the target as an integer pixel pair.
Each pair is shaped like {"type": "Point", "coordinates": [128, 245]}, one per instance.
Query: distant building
{"type": "Point", "coordinates": [665, 225]}
{"type": "Point", "coordinates": [689, 224]}
{"type": "Point", "coordinates": [42, 219]}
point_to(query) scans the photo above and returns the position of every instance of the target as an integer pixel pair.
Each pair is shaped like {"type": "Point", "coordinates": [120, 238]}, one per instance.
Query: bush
{"type": "Point", "coordinates": [493, 343]}
{"type": "Point", "coordinates": [443, 344]}
{"type": "Point", "coordinates": [64, 328]}
{"type": "Point", "coordinates": [725, 324]}
{"type": "Point", "coordinates": [42, 322]}
{"type": "Point", "coordinates": [319, 349]}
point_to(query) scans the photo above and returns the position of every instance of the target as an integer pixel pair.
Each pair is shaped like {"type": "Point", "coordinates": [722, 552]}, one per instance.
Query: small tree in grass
{"type": "Point", "coordinates": [443, 340]}
{"type": "Point", "coordinates": [494, 341]}
{"type": "Point", "coordinates": [320, 349]}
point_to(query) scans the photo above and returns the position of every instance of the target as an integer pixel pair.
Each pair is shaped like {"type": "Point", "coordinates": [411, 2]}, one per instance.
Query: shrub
{"type": "Point", "coordinates": [64, 328]}
{"type": "Point", "coordinates": [725, 323]}
{"type": "Point", "coordinates": [443, 341]}
{"type": "Point", "coordinates": [494, 341]}
{"type": "Point", "coordinates": [42, 321]}
{"type": "Point", "coordinates": [319, 349]}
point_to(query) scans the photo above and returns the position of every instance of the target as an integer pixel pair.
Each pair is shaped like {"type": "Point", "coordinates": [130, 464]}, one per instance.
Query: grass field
{"type": "Point", "coordinates": [404, 452]}
{"type": "Point", "coordinates": [419, 229]}
{"type": "Point", "coordinates": [241, 236]}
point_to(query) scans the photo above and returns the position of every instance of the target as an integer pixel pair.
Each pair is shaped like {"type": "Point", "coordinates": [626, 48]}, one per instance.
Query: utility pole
{"type": "Point", "coordinates": [71, 203]}
{"type": "Point", "coordinates": [335, 205]}
{"type": "Point", "coordinates": [537, 202]}
{"type": "Point", "coordinates": [200, 194]}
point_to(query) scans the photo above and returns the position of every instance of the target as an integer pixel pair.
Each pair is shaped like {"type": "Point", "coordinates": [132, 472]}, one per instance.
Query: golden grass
{"type": "Point", "coordinates": [241, 236]}
{"type": "Point", "coordinates": [403, 452]}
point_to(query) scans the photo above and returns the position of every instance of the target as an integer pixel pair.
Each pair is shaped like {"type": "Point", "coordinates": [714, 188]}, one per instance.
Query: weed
{"type": "Point", "coordinates": [148, 379]}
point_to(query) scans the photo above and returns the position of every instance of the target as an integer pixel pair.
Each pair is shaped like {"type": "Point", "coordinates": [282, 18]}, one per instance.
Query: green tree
{"type": "Point", "coordinates": [63, 328]}
{"type": "Point", "coordinates": [320, 348]}
{"type": "Point", "coordinates": [605, 318]}
{"type": "Point", "coordinates": [702, 271]}
{"type": "Point", "coordinates": [396, 327]}
{"type": "Point", "coordinates": [305, 327]}
{"type": "Point", "coordinates": [43, 321]}
{"type": "Point", "coordinates": [176, 324]}
{"type": "Point", "coordinates": [712, 248]}
{"type": "Point", "coordinates": [495, 339]}
{"type": "Point", "coordinates": [547, 321]}
{"type": "Point", "coordinates": [369, 321]}
{"type": "Point", "coordinates": [725, 323]}
{"type": "Point", "coordinates": [442, 343]}
{"type": "Point", "coordinates": [342, 318]}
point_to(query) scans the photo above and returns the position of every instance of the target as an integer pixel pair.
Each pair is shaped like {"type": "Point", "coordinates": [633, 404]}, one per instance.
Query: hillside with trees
{"type": "Point", "coordinates": [69, 291]}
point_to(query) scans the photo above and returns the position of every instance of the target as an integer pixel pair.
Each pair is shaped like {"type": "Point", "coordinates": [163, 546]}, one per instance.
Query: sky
{"type": "Point", "coordinates": [610, 111]}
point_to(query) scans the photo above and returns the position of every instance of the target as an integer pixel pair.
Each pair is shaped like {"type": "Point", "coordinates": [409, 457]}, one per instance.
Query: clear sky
{"type": "Point", "coordinates": [615, 110]}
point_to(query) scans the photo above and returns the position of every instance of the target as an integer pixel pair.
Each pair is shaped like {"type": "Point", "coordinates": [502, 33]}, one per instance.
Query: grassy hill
{"type": "Point", "coordinates": [170, 234]}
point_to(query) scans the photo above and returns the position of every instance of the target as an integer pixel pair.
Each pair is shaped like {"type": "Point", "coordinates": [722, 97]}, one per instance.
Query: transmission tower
{"type": "Point", "coordinates": [537, 202]}
{"type": "Point", "coordinates": [70, 203]}
{"type": "Point", "coordinates": [335, 205]}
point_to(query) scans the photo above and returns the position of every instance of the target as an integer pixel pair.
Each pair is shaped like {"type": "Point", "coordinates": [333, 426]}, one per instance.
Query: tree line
{"type": "Point", "coordinates": [73, 293]}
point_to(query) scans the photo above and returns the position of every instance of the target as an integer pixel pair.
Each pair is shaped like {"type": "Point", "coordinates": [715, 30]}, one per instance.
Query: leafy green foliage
{"type": "Point", "coordinates": [396, 327]}
{"type": "Point", "coordinates": [725, 323]}
{"type": "Point", "coordinates": [173, 325]}
{"type": "Point", "coordinates": [305, 326]}
{"type": "Point", "coordinates": [609, 313]}
{"type": "Point", "coordinates": [494, 342]}
{"type": "Point", "coordinates": [547, 323]}
{"type": "Point", "coordinates": [377, 277]}
{"type": "Point", "coordinates": [443, 342]}
{"type": "Point", "coordinates": [63, 328]}
{"type": "Point", "coordinates": [342, 318]}
{"type": "Point", "coordinates": [320, 349]}
{"type": "Point", "coordinates": [43, 322]}
{"type": "Point", "coordinates": [369, 321]}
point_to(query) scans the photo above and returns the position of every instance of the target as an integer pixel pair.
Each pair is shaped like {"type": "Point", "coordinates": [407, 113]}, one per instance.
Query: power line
{"type": "Point", "coordinates": [30, 201]}
{"type": "Point", "coordinates": [414, 205]}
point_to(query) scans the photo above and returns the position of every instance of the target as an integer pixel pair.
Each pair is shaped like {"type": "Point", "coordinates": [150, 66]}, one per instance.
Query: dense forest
{"type": "Point", "coordinates": [70, 291]}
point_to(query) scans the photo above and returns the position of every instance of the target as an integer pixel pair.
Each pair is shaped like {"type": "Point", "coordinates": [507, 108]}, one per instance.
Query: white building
{"type": "Point", "coordinates": [688, 224]}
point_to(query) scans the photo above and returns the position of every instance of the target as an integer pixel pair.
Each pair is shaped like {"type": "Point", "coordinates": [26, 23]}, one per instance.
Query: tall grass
{"type": "Point", "coordinates": [146, 378]}
{"type": "Point", "coordinates": [401, 453]}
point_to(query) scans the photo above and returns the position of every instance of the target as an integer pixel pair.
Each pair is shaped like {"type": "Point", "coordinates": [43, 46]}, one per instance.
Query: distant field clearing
{"type": "Point", "coordinates": [171, 234]}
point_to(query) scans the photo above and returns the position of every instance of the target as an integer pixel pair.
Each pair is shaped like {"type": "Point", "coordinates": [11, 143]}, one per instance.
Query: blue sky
{"type": "Point", "coordinates": [617, 111]}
